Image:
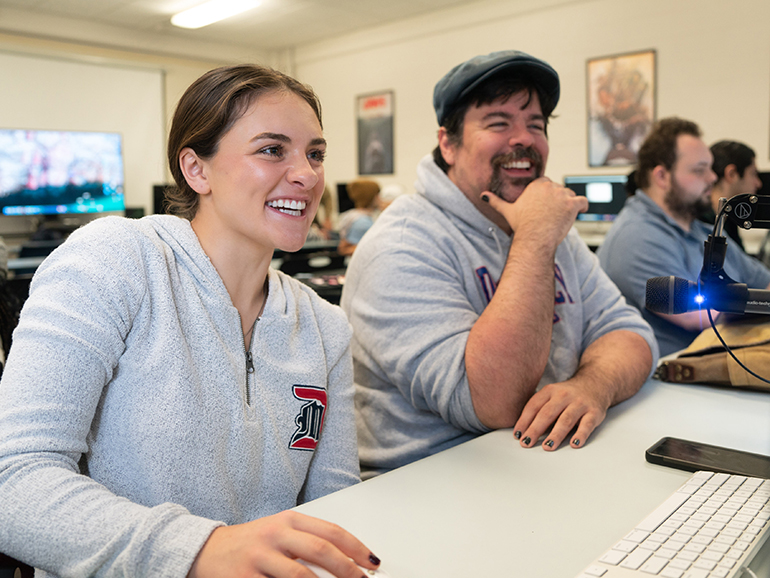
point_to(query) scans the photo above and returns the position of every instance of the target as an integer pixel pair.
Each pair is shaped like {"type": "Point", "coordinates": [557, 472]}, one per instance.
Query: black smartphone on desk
{"type": "Point", "coordinates": [694, 456]}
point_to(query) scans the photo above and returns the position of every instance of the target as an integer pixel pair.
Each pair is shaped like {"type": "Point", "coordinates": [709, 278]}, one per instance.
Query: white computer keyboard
{"type": "Point", "coordinates": [711, 527]}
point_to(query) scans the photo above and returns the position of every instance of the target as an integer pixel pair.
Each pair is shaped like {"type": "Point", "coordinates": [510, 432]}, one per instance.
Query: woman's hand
{"type": "Point", "coordinates": [270, 547]}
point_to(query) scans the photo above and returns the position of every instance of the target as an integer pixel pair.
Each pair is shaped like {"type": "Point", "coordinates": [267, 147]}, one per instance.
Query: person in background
{"type": "Point", "coordinates": [657, 233]}
{"type": "Point", "coordinates": [474, 304]}
{"type": "Point", "coordinates": [736, 170]}
{"type": "Point", "coordinates": [151, 417]}
{"type": "Point", "coordinates": [354, 222]}
{"type": "Point", "coordinates": [388, 194]}
{"type": "Point", "coordinates": [322, 228]}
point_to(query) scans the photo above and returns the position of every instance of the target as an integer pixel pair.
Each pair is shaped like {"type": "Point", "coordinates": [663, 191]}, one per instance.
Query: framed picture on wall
{"type": "Point", "coordinates": [621, 106]}
{"type": "Point", "coordinates": [375, 133]}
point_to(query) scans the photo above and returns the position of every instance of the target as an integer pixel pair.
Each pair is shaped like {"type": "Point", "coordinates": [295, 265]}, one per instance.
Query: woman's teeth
{"type": "Point", "coordinates": [288, 207]}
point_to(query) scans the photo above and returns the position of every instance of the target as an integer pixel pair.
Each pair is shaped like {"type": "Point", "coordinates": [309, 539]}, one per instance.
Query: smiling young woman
{"type": "Point", "coordinates": [168, 395]}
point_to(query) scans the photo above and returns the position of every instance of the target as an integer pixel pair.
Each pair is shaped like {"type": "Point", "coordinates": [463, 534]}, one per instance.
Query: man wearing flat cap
{"type": "Point", "coordinates": [474, 304]}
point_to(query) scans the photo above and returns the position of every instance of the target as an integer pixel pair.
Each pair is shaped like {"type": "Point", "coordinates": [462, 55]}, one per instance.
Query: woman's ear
{"type": "Point", "coordinates": [193, 169]}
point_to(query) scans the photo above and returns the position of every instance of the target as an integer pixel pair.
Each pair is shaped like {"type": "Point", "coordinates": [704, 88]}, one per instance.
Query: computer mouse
{"type": "Point", "coordinates": [321, 573]}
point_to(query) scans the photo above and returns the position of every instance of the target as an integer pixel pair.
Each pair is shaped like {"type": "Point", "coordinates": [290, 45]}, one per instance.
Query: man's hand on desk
{"type": "Point", "coordinates": [612, 369]}
{"type": "Point", "coordinates": [563, 405]}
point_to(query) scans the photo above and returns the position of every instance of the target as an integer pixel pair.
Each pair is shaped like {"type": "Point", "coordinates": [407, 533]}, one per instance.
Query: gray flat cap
{"type": "Point", "coordinates": [463, 78]}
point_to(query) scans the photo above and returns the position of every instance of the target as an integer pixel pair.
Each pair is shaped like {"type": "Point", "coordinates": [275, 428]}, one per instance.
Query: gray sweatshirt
{"type": "Point", "coordinates": [130, 353]}
{"type": "Point", "coordinates": [415, 286]}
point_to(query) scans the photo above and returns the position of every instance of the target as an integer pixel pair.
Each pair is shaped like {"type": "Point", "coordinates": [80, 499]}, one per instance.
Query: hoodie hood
{"type": "Point", "coordinates": [436, 186]}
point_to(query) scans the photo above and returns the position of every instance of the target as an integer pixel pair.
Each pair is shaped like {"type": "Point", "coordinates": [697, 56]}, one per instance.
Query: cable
{"type": "Point", "coordinates": [730, 351]}
{"type": "Point", "coordinates": [750, 571]}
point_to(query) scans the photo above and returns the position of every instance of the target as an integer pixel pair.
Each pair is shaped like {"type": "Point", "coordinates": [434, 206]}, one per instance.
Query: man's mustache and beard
{"type": "Point", "coordinates": [683, 208]}
{"type": "Point", "coordinates": [498, 180]}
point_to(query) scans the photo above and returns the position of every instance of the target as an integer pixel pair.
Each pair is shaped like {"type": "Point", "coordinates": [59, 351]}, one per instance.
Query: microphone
{"type": "Point", "coordinates": [673, 295]}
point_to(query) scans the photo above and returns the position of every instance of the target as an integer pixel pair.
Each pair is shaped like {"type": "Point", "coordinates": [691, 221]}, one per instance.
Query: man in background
{"type": "Point", "coordinates": [474, 304]}
{"type": "Point", "coordinates": [736, 170]}
{"type": "Point", "coordinates": [657, 233]}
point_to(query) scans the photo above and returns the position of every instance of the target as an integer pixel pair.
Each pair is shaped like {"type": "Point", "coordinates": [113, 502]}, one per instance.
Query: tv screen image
{"type": "Point", "coordinates": [47, 172]}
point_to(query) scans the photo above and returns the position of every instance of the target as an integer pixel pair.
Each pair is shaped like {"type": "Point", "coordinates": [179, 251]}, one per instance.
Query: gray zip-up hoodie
{"type": "Point", "coordinates": [416, 284]}
{"type": "Point", "coordinates": [130, 353]}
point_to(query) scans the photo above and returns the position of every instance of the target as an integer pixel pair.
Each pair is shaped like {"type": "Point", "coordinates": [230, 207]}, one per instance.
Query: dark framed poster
{"type": "Point", "coordinates": [374, 113]}
{"type": "Point", "coordinates": [621, 107]}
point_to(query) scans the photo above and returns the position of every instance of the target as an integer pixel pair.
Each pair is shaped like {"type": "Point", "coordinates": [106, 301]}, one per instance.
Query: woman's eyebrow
{"type": "Point", "coordinates": [283, 138]}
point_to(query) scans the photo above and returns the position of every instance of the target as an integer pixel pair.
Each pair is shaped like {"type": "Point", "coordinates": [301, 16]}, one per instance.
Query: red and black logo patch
{"type": "Point", "coordinates": [311, 416]}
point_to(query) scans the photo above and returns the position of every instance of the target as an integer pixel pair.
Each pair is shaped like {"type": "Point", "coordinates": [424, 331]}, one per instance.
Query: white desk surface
{"type": "Point", "coordinates": [490, 508]}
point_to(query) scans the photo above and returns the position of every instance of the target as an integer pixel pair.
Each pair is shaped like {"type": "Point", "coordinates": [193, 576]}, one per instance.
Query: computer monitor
{"type": "Point", "coordinates": [606, 195]}
{"type": "Point", "coordinates": [344, 202]}
{"type": "Point", "coordinates": [51, 172]}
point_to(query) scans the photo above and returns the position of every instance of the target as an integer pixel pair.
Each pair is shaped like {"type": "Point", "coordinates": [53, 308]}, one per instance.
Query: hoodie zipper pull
{"type": "Point", "coordinates": [249, 363]}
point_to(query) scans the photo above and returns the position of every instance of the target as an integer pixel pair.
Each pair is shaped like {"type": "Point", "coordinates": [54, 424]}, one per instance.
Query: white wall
{"type": "Point", "coordinates": [713, 62]}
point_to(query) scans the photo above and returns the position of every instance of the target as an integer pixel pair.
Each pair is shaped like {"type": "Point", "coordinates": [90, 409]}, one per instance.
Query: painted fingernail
{"type": "Point", "coordinates": [527, 441]}
{"type": "Point", "coordinates": [485, 198]}
{"type": "Point", "coordinates": [374, 559]}
{"type": "Point", "coordinates": [576, 442]}
{"type": "Point", "coordinates": [549, 443]}
{"type": "Point", "coordinates": [517, 435]}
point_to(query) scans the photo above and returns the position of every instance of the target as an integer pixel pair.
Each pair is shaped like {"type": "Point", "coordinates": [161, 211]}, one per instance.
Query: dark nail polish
{"type": "Point", "coordinates": [517, 435]}
{"type": "Point", "coordinates": [485, 198]}
{"type": "Point", "coordinates": [527, 440]}
{"type": "Point", "coordinates": [576, 442]}
{"type": "Point", "coordinates": [549, 443]}
{"type": "Point", "coordinates": [374, 559]}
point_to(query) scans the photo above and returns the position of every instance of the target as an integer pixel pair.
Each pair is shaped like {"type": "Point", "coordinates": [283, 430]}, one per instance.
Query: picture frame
{"type": "Point", "coordinates": [375, 114]}
{"type": "Point", "coordinates": [621, 99]}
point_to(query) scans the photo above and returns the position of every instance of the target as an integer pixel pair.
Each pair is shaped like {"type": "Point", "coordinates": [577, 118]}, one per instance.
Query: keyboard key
{"type": "Point", "coordinates": [696, 573]}
{"type": "Point", "coordinates": [705, 564]}
{"type": "Point", "coordinates": [595, 570]}
{"type": "Point", "coordinates": [648, 545]}
{"type": "Point", "coordinates": [624, 546]}
{"type": "Point", "coordinates": [671, 573]}
{"type": "Point", "coordinates": [659, 515]}
{"type": "Point", "coordinates": [637, 536]}
{"type": "Point", "coordinates": [680, 564]}
{"type": "Point", "coordinates": [666, 553]}
{"type": "Point", "coordinates": [636, 559]}
{"type": "Point", "coordinates": [654, 565]}
{"type": "Point", "coordinates": [613, 557]}
{"type": "Point", "coordinates": [689, 556]}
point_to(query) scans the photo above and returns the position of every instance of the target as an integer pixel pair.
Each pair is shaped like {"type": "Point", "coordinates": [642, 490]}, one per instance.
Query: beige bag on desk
{"type": "Point", "coordinates": [707, 361]}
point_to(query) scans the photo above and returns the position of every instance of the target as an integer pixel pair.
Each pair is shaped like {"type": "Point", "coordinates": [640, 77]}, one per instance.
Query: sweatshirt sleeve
{"type": "Point", "coordinates": [68, 342]}
{"type": "Point", "coordinates": [411, 326]}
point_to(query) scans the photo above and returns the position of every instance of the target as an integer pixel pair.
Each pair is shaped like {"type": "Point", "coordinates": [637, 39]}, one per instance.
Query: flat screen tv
{"type": "Point", "coordinates": [50, 172]}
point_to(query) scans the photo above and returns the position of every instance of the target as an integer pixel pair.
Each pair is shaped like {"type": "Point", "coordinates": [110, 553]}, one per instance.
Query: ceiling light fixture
{"type": "Point", "coordinates": [212, 11]}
